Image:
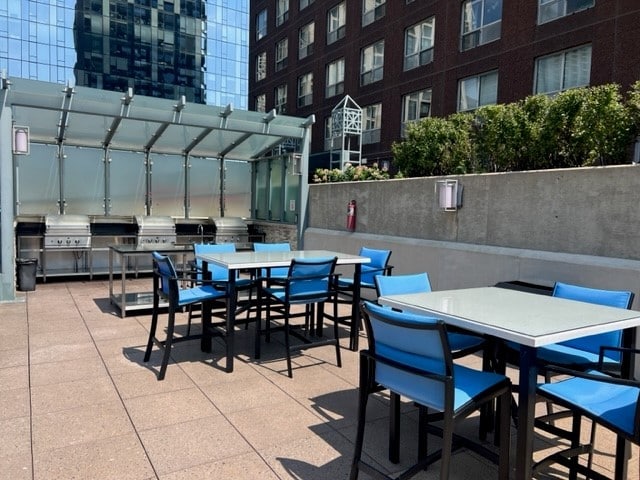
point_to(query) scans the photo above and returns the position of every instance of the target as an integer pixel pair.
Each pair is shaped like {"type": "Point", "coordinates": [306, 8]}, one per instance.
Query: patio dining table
{"type": "Point", "coordinates": [530, 320]}
{"type": "Point", "coordinates": [236, 261]}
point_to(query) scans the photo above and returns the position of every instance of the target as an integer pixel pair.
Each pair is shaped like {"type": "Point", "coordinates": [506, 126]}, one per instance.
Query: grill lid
{"type": "Point", "coordinates": [62, 224]}
{"type": "Point", "coordinates": [229, 224]}
{"type": "Point", "coordinates": [67, 231]}
{"type": "Point", "coordinates": [155, 224]}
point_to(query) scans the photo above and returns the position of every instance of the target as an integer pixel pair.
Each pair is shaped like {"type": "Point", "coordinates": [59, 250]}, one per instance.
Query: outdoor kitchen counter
{"type": "Point", "coordinates": [138, 300]}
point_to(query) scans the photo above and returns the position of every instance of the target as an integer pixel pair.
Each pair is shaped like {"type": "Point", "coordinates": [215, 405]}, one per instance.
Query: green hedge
{"type": "Point", "coordinates": [578, 127]}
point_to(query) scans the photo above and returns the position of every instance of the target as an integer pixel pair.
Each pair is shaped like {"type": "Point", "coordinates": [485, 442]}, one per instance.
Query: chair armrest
{"type": "Point", "coordinates": [622, 350]}
{"type": "Point", "coordinates": [598, 377]}
{"type": "Point", "coordinates": [379, 269]}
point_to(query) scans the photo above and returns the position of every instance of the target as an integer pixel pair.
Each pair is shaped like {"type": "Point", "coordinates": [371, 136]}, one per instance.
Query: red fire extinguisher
{"type": "Point", "coordinates": [351, 216]}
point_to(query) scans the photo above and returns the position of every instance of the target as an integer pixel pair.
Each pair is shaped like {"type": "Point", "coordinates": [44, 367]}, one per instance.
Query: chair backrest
{"type": "Point", "coordinates": [399, 284]}
{"type": "Point", "coordinates": [379, 261]}
{"type": "Point", "coordinates": [273, 247]}
{"type": "Point", "coordinates": [217, 273]}
{"type": "Point", "coordinates": [310, 280]}
{"type": "Point", "coordinates": [412, 355]}
{"type": "Point", "coordinates": [165, 271]}
{"type": "Point", "coordinates": [610, 298]}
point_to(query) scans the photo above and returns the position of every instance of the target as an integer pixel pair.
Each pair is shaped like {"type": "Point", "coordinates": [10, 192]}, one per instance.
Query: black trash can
{"type": "Point", "coordinates": [26, 272]}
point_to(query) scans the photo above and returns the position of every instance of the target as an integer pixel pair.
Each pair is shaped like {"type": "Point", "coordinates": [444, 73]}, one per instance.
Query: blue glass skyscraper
{"type": "Point", "coordinates": [161, 48]}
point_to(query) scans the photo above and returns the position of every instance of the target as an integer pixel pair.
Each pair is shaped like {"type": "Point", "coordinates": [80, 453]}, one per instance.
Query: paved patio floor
{"type": "Point", "coordinates": [77, 402]}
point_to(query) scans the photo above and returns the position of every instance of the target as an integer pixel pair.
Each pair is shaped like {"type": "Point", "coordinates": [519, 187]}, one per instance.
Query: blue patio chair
{"type": "Point", "coordinates": [220, 277]}
{"type": "Point", "coordinates": [308, 283]}
{"type": "Point", "coordinates": [346, 286]}
{"type": "Point", "coordinates": [461, 343]}
{"type": "Point", "coordinates": [166, 285]}
{"type": "Point", "coordinates": [410, 355]}
{"type": "Point", "coordinates": [582, 353]}
{"type": "Point", "coordinates": [278, 272]}
{"type": "Point", "coordinates": [611, 402]}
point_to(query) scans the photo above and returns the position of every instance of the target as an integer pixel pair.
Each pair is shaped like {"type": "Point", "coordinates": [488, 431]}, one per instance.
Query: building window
{"type": "Point", "coordinates": [335, 78]}
{"type": "Point", "coordinates": [282, 12]}
{"type": "Point", "coordinates": [371, 123]}
{"type": "Point", "coordinates": [305, 40]}
{"type": "Point", "coordinates": [281, 98]}
{"type": "Point", "coordinates": [476, 91]}
{"type": "Point", "coordinates": [418, 44]}
{"type": "Point", "coordinates": [336, 23]}
{"type": "Point", "coordinates": [415, 106]}
{"type": "Point", "coordinates": [564, 70]}
{"type": "Point", "coordinates": [261, 66]}
{"type": "Point", "coordinates": [372, 10]}
{"type": "Point", "coordinates": [282, 52]}
{"type": "Point", "coordinates": [305, 3]}
{"type": "Point", "coordinates": [261, 103]}
{"type": "Point", "coordinates": [305, 90]}
{"type": "Point", "coordinates": [481, 22]}
{"type": "Point", "coordinates": [261, 24]}
{"type": "Point", "coordinates": [551, 9]}
{"type": "Point", "coordinates": [372, 63]}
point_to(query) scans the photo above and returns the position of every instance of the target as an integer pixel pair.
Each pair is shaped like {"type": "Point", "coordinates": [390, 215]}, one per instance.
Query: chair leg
{"type": "Point", "coordinates": [503, 435]}
{"type": "Point", "coordinates": [363, 397]}
{"type": "Point", "coordinates": [258, 333]}
{"type": "Point", "coordinates": [423, 435]}
{"type": "Point", "coordinates": [152, 334]}
{"type": "Point", "coordinates": [575, 443]}
{"type": "Point", "coordinates": [336, 335]}
{"type": "Point", "coordinates": [447, 447]}
{"type": "Point", "coordinates": [190, 308]}
{"type": "Point", "coordinates": [287, 344]}
{"type": "Point", "coordinates": [167, 344]}
{"type": "Point", "coordinates": [394, 427]}
{"type": "Point", "coordinates": [592, 443]}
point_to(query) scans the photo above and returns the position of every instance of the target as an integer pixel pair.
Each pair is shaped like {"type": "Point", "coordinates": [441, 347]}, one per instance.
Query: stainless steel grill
{"type": "Point", "coordinates": [155, 230]}
{"type": "Point", "coordinates": [67, 232]}
{"type": "Point", "coordinates": [231, 230]}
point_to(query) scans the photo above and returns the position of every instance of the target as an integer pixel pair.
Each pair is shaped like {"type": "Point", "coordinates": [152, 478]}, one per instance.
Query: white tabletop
{"type": "Point", "coordinates": [248, 260]}
{"type": "Point", "coordinates": [526, 318]}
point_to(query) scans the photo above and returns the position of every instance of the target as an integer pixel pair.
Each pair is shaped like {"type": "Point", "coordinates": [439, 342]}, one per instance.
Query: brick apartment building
{"type": "Point", "coordinates": [401, 60]}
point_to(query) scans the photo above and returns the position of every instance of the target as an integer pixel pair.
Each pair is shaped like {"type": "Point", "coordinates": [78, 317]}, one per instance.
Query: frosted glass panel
{"type": "Point", "coordinates": [204, 187]}
{"type": "Point", "coordinates": [38, 180]}
{"type": "Point", "coordinates": [237, 189]}
{"type": "Point", "coordinates": [84, 181]}
{"type": "Point", "coordinates": [276, 205]}
{"type": "Point", "coordinates": [127, 183]}
{"type": "Point", "coordinates": [262, 190]}
{"type": "Point", "coordinates": [291, 199]}
{"type": "Point", "coordinates": [167, 185]}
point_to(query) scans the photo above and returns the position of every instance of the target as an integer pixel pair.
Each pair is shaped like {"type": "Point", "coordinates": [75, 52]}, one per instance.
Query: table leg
{"type": "Point", "coordinates": [526, 412]}
{"type": "Point", "coordinates": [355, 310]}
{"type": "Point", "coordinates": [111, 275]}
{"type": "Point", "coordinates": [123, 303]}
{"type": "Point", "coordinates": [205, 340]}
{"type": "Point", "coordinates": [232, 295]}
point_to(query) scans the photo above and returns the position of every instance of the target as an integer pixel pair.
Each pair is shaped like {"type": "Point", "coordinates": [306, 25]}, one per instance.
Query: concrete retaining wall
{"type": "Point", "coordinates": [574, 225]}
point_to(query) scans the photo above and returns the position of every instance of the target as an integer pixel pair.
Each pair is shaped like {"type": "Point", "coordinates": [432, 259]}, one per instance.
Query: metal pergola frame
{"type": "Point", "coordinates": [66, 115]}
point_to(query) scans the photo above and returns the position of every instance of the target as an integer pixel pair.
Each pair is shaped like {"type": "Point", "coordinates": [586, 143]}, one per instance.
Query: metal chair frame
{"type": "Point", "coordinates": [166, 285]}
{"type": "Point", "coordinates": [430, 381]}
{"type": "Point", "coordinates": [309, 283]}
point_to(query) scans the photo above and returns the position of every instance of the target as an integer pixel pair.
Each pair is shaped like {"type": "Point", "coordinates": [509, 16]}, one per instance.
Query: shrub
{"type": "Point", "coordinates": [434, 146]}
{"type": "Point", "coordinates": [350, 174]}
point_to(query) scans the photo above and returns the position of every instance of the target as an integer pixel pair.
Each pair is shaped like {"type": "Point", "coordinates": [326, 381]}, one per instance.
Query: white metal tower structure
{"type": "Point", "coordinates": [346, 134]}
